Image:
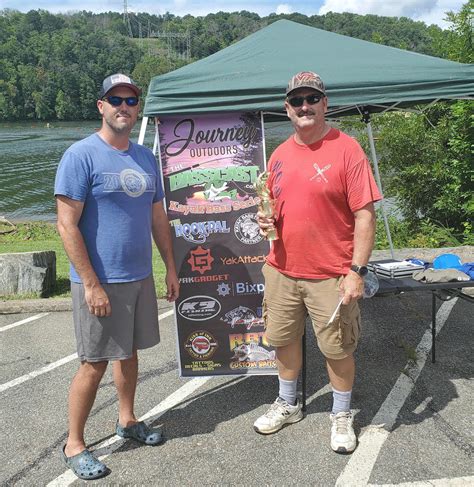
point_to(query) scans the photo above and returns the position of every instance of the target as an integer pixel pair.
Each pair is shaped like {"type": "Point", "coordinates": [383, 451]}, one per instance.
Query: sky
{"type": "Point", "coordinates": [428, 11]}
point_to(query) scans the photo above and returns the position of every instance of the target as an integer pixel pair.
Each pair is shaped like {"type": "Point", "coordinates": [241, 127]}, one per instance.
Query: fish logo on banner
{"type": "Point", "coordinates": [252, 352]}
{"type": "Point", "coordinates": [243, 316]}
{"type": "Point", "coordinates": [246, 229]}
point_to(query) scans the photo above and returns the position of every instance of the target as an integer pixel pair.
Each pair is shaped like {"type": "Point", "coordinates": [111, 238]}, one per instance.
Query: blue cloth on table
{"type": "Point", "coordinates": [468, 269]}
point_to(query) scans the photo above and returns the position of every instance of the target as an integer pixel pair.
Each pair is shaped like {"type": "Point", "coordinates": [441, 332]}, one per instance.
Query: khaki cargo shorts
{"type": "Point", "coordinates": [287, 301]}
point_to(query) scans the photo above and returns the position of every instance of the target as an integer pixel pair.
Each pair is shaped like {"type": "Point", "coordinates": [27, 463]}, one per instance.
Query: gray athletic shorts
{"type": "Point", "coordinates": [132, 326]}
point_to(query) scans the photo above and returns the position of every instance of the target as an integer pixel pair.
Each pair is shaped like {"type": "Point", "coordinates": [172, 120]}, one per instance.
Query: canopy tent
{"type": "Point", "coordinates": [360, 77]}
{"type": "Point", "coordinates": [252, 74]}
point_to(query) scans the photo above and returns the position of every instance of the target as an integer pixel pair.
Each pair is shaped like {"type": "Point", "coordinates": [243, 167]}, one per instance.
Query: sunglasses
{"type": "Point", "coordinates": [297, 101]}
{"type": "Point", "coordinates": [116, 101]}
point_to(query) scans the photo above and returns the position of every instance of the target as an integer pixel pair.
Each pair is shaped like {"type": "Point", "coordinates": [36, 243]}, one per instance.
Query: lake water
{"type": "Point", "coordinates": [30, 153]}
{"type": "Point", "coordinates": [29, 156]}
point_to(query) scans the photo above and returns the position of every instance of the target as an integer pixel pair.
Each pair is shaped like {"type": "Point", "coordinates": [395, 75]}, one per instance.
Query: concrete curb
{"type": "Point", "coordinates": [51, 305]}
{"type": "Point", "coordinates": [35, 305]}
{"type": "Point", "coordinates": [466, 253]}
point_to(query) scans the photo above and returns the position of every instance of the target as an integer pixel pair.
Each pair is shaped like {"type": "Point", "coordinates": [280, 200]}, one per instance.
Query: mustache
{"type": "Point", "coordinates": [302, 113]}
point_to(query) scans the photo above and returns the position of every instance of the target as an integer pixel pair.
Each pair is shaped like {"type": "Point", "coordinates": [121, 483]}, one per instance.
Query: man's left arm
{"type": "Point", "coordinates": [162, 236]}
{"type": "Point", "coordinates": [352, 285]}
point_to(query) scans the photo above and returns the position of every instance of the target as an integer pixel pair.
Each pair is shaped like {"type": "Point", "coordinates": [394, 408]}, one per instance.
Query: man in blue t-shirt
{"type": "Point", "coordinates": [110, 204]}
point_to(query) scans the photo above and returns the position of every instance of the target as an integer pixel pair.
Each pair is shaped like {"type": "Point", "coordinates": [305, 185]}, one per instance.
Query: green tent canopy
{"type": "Point", "coordinates": [360, 77]}
{"type": "Point", "coordinates": [252, 74]}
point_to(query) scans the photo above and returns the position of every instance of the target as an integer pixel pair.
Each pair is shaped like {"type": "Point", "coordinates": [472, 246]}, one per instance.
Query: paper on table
{"type": "Point", "coordinates": [396, 265]}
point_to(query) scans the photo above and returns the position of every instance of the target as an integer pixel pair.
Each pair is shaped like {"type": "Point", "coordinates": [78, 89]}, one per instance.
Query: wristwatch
{"type": "Point", "coordinates": [362, 270]}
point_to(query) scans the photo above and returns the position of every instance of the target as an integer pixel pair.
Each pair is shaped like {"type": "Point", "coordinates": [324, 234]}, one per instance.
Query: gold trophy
{"type": "Point", "coordinates": [267, 204]}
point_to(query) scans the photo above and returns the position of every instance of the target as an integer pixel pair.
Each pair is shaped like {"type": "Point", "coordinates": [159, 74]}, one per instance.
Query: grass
{"type": "Point", "coordinates": [37, 236]}
{"type": "Point", "coordinates": [410, 352]}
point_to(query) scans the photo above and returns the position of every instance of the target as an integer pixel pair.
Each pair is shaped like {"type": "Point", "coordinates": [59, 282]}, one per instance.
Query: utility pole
{"type": "Point", "coordinates": [126, 18]}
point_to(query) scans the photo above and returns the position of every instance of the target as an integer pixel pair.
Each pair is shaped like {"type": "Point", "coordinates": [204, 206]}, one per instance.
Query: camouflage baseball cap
{"type": "Point", "coordinates": [306, 79]}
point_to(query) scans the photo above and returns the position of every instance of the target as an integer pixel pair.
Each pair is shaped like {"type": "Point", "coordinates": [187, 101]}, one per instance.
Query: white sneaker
{"type": "Point", "coordinates": [343, 438]}
{"type": "Point", "coordinates": [279, 413]}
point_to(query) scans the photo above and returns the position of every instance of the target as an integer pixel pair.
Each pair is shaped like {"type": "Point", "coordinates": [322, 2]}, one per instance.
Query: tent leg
{"type": "Point", "coordinates": [262, 123]}
{"type": "Point", "coordinates": [303, 372]}
{"type": "Point", "coordinates": [379, 184]}
{"type": "Point", "coordinates": [157, 137]}
{"type": "Point", "coordinates": [141, 136]}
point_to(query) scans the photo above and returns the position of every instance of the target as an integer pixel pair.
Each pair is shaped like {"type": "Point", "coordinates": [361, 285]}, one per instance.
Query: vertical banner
{"type": "Point", "coordinates": [209, 165]}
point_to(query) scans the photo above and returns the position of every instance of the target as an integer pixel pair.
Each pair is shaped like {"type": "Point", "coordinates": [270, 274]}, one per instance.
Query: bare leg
{"type": "Point", "coordinates": [81, 398]}
{"type": "Point", "coordinates": [289, 360]}
{"type": "Point", "coordinates": [341, 373]}
{"type": "Point", "coordinates": [125, 378]}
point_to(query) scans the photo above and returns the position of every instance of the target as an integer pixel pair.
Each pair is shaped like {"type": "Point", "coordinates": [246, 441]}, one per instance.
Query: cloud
{"type": "Point", "coordinates": [407, 8]}
{"type": "Point", "coordinates": [429, 11]}
{"type": "Point", "coordinates": [179, 4]}
{"type": "Point", "coordinates": [284, 8]}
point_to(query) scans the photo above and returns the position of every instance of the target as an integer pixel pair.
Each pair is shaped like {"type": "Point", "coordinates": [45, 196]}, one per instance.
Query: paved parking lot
{"type": "Point", "coordinates": [414, 418]}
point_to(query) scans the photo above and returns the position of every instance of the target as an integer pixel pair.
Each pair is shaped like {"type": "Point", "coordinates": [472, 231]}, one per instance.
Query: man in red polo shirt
{"type": "Point", "coordinates": [324, 191]}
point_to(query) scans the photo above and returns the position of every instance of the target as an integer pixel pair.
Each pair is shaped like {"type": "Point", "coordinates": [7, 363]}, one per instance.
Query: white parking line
{"type": "Point", "coordinates": [36, 373]}
{"type": "Point", "coordinates": [359, 467]}
{"type": "Point", "coordinates": [454, 482]}
{"type": "Point", "coordinates": [54, 365]}
{"type": "Point", "coordinates": [107, 447]}
{"type": "Point", "coordinates": [112, 444]}
{"type": "Point", "coordinates": [22, 322]}
{"type": "Point", "coordinates": [165, 315]}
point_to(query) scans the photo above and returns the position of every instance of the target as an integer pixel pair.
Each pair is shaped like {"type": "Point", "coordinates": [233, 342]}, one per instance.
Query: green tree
{"type": "Point", "coordinates": [428, 162]}
{"type": "Point", "coordinates": [150, 66]}
{"type": "Point", "coordinates": [457, 44]}
{"type": "Point", "coordinates": [64, 108]}
{"type": "Point", "coordinates": [42, 53]}
{"type": "Point", "coordinates": [426, 159]}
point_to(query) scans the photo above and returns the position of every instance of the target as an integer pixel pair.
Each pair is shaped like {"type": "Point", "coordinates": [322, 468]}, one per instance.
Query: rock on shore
{"type": "Point", "coordinates": [28, 272]}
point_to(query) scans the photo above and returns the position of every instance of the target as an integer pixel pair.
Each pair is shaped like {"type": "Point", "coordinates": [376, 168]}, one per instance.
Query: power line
{"type": "Point", "coordinates": [178, 44]}
{"type": "Point", "coordinates": [126, 18]}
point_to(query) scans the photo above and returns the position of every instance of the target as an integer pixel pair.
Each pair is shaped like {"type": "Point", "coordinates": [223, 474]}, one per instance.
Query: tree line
{"type": "Point", "coordinates": [426, 157]}
{"type": "Point", "coordinates": [51, 65]}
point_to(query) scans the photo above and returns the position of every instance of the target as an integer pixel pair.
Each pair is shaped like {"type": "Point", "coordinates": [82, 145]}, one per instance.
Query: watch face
{"type": "Point", "coordinates": [362, 270]}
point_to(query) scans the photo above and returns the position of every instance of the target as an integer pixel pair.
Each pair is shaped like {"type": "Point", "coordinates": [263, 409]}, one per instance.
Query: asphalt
{"type": "Point", "coordinates": [414, 418]}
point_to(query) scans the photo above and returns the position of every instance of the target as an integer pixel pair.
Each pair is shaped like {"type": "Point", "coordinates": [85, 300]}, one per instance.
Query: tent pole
{"type": "Point", "coordinates": [141, 136]}
{"type": "Point", "coordinates": [366, 119]}
{"type": "Point", "coordinates": [157, 137]}
{"type": "Point", "coordinates": [262, 122]}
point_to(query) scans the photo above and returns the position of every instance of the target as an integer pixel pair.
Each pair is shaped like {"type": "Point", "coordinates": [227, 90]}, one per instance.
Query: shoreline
{"type": "Point", "coordinates": [26, 221]}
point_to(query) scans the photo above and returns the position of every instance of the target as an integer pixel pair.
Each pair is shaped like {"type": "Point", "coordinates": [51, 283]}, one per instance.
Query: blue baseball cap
{"type": "Point", "coordinates": [447, 261]}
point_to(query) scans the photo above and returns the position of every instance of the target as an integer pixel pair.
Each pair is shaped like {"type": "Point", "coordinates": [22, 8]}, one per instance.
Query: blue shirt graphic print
{"type": "Point", "coordinates": [118, 189]}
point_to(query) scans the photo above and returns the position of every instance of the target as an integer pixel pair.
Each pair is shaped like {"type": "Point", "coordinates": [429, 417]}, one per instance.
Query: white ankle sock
{"type": "Point", "coordinates": [287, 390]}
{"type": "Point", "coordinates": [341, 401]}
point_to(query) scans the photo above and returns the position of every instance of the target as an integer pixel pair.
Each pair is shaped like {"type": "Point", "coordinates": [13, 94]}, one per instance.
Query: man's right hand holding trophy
{"type": "Point", "coordinates": [266, 208]}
